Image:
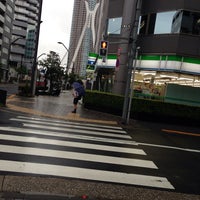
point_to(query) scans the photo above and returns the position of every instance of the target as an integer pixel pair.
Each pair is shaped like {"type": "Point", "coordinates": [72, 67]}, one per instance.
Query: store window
{"type": "Point", "coordinates": [114, 25]}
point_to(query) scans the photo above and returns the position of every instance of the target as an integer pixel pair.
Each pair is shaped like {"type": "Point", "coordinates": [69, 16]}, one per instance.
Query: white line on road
{"type": "Point", "coordinates": [67, 135]}
{"type": "Point", "coordinates": [169, 147]}
{"type": "Point", "coordinates": [82, 173]}
{"type": "Point", "coordinates": [68, 125]}
{"type": "Point", "coordinates": [72, 144]}
{"type": "Point", "coordinates": [77, 156]}
{"type": "Point", "coordinates": [75, 130]}
{"type": "Point", "coordinates": [70, 122]}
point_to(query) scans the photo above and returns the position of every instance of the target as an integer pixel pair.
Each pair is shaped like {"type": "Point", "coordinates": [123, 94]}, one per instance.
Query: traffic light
{"type": "Point", "coordinates": [103, 48]}
{"type": "Point", "coordinates": [104, 44]}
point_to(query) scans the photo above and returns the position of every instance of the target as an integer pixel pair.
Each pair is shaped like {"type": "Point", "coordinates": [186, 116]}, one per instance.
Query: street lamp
{"type": "Point", "coordinates": [16, 40]}
{"type": "Point", "coordinates": [67, 52]}
{"type": "Point", "coordinates": [64, 46]}
{"type": "Point", "coordinates": [42, 54]}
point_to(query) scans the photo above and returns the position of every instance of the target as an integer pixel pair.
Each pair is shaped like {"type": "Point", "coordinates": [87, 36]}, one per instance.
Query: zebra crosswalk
{"type": "Point", "coordinates": [48, 147]}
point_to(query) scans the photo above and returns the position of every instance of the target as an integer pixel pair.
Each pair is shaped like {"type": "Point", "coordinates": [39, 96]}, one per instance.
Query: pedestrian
{"type": "Point", "coordinates": [78, 93]}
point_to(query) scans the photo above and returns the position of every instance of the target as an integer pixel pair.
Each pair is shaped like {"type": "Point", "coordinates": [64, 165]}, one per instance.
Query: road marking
{"type": "Point", "coordinates": [77, 156]}
{"type": "Point", "coordinates": [76, 130]}
{"type": "Point", "coordinates": [169, 147]}
{"type": "Point", "coordinates": [67, 135]}
{"type": "Point", "coordinates": [70, 122]}
{"type": "Point", "coordinates": [181, 132]}
{"type": "Point", "coordinates": [88, 174]}
{"type": "Point", "coordinates": [74, 125]}
{"type": "Point", "coordinates": [72, 144]}
{"type": "Point", "coordinates": [41, 150]}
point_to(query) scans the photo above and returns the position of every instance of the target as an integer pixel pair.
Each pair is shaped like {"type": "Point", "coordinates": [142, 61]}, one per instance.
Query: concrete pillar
{"type": "Point", "coordinates": [129, 12]}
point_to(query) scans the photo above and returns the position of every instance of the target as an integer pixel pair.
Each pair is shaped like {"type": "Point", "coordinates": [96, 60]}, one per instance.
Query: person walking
{"type": "Point", "coordinates": [78, 93]}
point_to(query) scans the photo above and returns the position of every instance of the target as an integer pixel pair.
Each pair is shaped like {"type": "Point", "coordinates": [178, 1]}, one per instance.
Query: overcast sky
{"type": "Point", "coordinates": [56, 26]}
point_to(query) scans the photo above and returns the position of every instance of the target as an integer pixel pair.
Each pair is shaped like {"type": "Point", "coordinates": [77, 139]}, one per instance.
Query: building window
{"type": "Point", "coordinates": [114, 25]}
{"type": "Point", "coordinates": [143, 24]}
{"type": "Point", "coordinates": [163, 23]}
{"type": "Point", "coordinates": [186, 22]}
{"type": "Point", "coordinates": [180, 21]}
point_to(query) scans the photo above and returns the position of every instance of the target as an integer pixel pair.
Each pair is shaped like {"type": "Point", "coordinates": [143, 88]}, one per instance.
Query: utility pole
{"type": "Point", "coordinates": [34, 67]}
{"type": "Point", "coordinates": [130, 23]}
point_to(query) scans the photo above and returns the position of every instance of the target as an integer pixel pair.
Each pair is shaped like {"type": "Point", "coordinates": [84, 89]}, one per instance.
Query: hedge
{"type": "Point", "coordinates": [143, 109]}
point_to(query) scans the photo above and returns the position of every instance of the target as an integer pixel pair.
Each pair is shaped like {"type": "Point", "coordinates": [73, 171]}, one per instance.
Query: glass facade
{"type": "Point", "coordinates": [180, 21]}
{"type": "Point", "coordinates": [30, 44]}
{"type": "Point", "coordinates": [186, 22]}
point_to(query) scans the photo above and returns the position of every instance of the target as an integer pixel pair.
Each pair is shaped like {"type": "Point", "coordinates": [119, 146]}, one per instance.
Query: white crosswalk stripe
{"type": "Point", "coordinates": [76, 150]}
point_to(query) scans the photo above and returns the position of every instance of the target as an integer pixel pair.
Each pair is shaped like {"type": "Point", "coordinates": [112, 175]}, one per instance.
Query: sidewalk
{"type": "Point", "coordinates": [58, 107]}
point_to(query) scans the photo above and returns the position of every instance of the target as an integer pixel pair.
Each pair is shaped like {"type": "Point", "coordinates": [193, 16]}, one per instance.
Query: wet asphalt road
{"type": "Point", "coordinates": [177, 156]}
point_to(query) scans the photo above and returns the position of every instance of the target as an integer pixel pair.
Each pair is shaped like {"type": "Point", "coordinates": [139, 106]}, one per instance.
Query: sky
{"type": "Point", "coordinates": [55, 27]}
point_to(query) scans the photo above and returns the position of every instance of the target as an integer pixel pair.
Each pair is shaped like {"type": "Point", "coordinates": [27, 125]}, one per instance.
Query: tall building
{"type": "Point", "coordinates": [25, 24]}
{"type": "Point", "coordinates": [6, 21]}
{"type": "Point", "coordinates": [85, 33]}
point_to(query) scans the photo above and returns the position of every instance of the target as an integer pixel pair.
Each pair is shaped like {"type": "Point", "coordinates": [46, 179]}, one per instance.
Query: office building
{"type": "Point", "coordinates": [6, 20]}
{"type": "Point", "coordinates": [26, 20]}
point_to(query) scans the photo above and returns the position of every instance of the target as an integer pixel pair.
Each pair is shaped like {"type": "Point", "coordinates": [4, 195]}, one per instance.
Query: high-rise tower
{"type": "Point", "coordinates": [86, 22]}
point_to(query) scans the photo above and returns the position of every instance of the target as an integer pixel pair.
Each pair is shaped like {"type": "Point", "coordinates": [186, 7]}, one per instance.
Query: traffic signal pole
{"type": "Point", "coordinates": [131, 6]}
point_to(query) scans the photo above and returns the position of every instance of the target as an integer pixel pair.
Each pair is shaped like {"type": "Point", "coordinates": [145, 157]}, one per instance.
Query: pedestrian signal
{"type": "Point", "coordinates": [104, 44]}
{"type": "Point", "coordinates": [103, 48]}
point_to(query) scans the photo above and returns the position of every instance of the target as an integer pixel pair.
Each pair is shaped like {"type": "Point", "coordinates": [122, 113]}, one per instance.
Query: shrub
{"type": "Point", "coordinates": [143, 109]}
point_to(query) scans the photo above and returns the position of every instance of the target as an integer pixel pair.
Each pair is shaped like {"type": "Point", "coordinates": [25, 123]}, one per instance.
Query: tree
{"type": "Point", "coordinates": [22, 70]}
{"type": "Point", "coordinates": [54, 72]}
